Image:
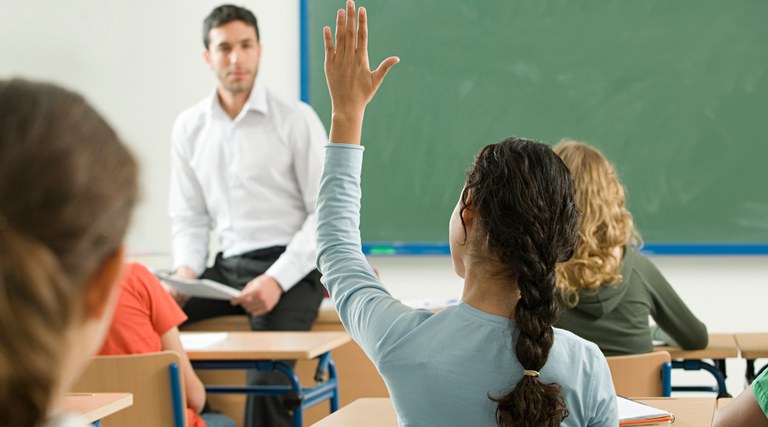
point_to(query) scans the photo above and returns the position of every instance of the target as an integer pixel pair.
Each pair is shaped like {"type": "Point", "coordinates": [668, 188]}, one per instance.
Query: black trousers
{"type": "Point", "coordinates": [296, 311]}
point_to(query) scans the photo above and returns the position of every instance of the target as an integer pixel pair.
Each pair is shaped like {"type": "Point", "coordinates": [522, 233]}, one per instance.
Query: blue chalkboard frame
{"type": "Point", "coordinates": [441, 248]}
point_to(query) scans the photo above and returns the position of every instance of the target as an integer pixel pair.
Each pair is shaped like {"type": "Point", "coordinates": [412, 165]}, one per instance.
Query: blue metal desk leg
{"type": "Point", "coordinates": [332, 377]}
{"type": "Point", "coordinates": [298, 414]}
{"type": "Point", "coordinates": [750, 374]}
{"type": "Point", "coordinates": [720, 365]}
{"type": "Point", "coordinates": [295, 398]}
{"type": "Point", "coordinates": [695, 365]}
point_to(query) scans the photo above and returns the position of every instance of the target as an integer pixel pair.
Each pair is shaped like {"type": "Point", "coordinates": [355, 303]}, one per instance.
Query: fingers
{"type": "Point", "coordinates": [350, 29]}
{"type": "Point", "coordinates": [340, 21]}
{"type": "Point", "coordinates": [384, 67]}
{"type": "Point", "coordinates": [328, 42]}
{"type": "Point", "coordinates": [362, 31]}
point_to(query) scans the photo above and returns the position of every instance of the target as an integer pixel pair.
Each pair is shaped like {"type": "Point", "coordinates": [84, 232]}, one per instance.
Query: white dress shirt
{"type": "Point", "coordinates": [254, 178]}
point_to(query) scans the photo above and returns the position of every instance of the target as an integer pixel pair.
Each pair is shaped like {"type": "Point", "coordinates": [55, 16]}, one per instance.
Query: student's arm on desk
{"type": "Point", "coordinates": [679, 325]}
{"type": "Point", "coordinates": [742, 411]}
{"type": "Point", "coordinates": [193, 387]}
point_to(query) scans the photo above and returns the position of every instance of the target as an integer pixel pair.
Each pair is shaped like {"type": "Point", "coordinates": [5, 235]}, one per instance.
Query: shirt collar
{"type": "Point", "coordinates": [257, 100]}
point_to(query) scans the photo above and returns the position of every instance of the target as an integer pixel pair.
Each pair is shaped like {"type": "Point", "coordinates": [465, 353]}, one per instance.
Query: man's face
{"type": "Point", "coordinates": [233, 54]}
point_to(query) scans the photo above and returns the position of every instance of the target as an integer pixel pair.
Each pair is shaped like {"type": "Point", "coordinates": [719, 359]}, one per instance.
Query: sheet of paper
{"type": "Point", "coordinates": [201, 288]}
{"type": "Point", "coordinates": [200, 341]}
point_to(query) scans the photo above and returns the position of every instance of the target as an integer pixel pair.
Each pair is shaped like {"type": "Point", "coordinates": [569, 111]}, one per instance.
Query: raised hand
{"type": "Point", "coordinates": [350, 81]}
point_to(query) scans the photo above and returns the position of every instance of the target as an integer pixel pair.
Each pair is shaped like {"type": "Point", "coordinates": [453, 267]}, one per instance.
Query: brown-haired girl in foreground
{"type": "Point", "coordinates": [610, 288]}
{"type": "Point", "coordinates": [494, 359]}
{"type": "Point", "coordinates": [67, 189]}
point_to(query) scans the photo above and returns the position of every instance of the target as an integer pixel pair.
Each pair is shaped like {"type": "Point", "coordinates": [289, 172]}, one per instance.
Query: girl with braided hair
{"type": "Point", "coordinates": [493, 359]}
{"type": "Point", "coordinates": [67, 190]}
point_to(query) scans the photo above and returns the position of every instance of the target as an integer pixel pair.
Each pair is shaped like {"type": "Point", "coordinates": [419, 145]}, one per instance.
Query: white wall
{"type": "Point", "coordinates": [140, 63]}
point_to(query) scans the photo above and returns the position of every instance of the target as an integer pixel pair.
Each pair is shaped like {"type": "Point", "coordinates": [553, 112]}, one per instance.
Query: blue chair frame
{"type": "Point", "coordinates": [296, 397]}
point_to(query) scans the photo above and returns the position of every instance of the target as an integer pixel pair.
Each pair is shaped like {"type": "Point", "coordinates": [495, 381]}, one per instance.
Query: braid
{"type": "Point", "coordinates": [523, 195]}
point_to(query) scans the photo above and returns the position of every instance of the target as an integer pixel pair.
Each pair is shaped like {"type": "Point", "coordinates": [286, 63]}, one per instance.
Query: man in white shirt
{"type": "Point", "coordinates": [248, 163]}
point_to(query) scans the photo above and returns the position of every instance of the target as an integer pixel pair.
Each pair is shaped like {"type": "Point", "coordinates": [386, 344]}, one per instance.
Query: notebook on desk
{"type": "Point", "coordinates": [633, 413]}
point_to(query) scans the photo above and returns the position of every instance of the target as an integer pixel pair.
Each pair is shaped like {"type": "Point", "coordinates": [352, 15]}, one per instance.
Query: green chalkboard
{"type": "Point", "coordinates": [675, 93]}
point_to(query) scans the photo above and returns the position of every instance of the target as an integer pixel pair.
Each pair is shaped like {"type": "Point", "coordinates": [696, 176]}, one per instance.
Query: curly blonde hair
{"type": "Point", "coordinates": [606, 227]}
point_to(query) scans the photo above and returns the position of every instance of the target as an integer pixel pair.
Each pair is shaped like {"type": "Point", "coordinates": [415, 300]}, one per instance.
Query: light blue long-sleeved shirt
{"type": "Point", "coordinates": [439, 367]}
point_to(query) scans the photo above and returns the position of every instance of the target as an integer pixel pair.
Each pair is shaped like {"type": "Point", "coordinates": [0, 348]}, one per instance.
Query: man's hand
{"type": "Point", "coordinates": [184, 273]}
{"type": "Point", "coordinates": [351, 82]}
{"type": "Point", "coordinates": [259, 296]}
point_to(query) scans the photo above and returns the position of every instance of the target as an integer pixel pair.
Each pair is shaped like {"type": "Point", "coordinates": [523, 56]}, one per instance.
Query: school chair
{"type": "Point", "coordinates": [153, 378]}
{"type": "Point", "coordinates": [646, 375]}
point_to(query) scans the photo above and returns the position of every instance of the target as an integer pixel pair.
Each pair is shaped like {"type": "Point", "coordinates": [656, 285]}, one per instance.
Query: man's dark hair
{"type": "Point", "coordinates": [225, 14]}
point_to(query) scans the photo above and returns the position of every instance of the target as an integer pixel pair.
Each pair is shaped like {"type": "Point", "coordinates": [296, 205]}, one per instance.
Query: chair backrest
{"type": "Point", "coordinates": [153, 378]}
{"type": "Point", "coordinates": [642, 375]}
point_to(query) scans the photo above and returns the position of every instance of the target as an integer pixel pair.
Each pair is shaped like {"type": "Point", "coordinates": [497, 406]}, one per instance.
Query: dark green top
{"type": "Point", "coordinates": [615, 317]}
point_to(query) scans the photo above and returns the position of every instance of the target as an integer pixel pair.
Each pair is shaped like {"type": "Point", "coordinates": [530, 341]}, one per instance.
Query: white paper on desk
{"type": "Point", "coordinates": [629, 410]}
{"type": "Point", "coordinates": [201, 288]}
{"type": "Point", "coordinates": [200, 341]}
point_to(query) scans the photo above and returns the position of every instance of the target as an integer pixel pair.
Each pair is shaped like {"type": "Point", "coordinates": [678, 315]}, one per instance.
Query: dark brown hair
{"type": "Point", "coordinates": [67, 189]}
{"type": "Point", "coordinates": [225, 14]}
{"type": "Point", "coordinates": [522, 194]}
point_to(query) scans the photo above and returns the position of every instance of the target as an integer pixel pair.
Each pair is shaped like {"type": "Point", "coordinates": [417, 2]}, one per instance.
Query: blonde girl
{"type": "Point", "coordinates": [609, 287]}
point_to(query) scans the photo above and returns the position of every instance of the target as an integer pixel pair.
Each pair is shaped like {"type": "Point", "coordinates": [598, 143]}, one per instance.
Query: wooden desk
{"type": "Point", "coordinates": [95, 406]}
{"type": "Point", "coordinates": [370, 412]}
{"type": "Point", "coordinates": [723, 402]}
{"type": "Point", "coordinates": [689, 412]}
{"type": "Point", "coordinates": [261, 345]}
{"type": "Point", "coordinates": [753, 346]}
{"type": "Point", "coordinates": [264, 351]}
{"type": "Point", "coordinates": [721, 346]}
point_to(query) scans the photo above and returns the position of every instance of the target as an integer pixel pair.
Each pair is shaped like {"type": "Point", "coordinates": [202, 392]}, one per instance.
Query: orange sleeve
{"type": "Point", "coordinates": [163, 310]}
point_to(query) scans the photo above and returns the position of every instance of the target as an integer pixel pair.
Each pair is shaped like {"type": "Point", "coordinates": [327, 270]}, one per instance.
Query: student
{"type": "Point", "coordinates": [749, 409]}
{"type": "Point", "coordinates": [609, 287]}
{"type": "Point", "coordinates": [493, 359]}
{"type": "Point", "coordinates": [146, 320]}
{"type": "Point", "coordinates": [67, 190]}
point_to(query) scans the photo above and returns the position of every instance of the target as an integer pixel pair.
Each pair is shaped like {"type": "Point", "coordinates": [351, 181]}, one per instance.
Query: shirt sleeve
{"type": "Point", "coordinates": [307, 141]}
{"type": "Point", "coordinates": [760, 391]}
{"type": "Point", "coordinates": [374, 319]}
{"type": "Point", "coordinates": [680, 326]}
{"type": "Point", "coordinates": [190, 221]}
{"type": "Point", "coordinates": [602, 393]}
{"type": "Point", "coordinates": [164, 313]}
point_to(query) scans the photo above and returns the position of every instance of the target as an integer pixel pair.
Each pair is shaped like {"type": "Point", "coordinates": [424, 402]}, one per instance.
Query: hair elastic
{"type": "Point", "coordinates": [530, 373]}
